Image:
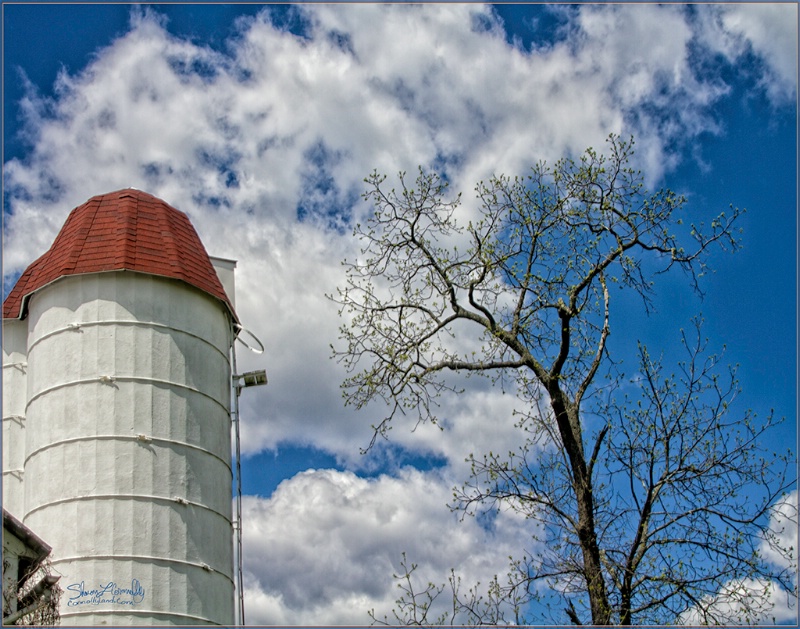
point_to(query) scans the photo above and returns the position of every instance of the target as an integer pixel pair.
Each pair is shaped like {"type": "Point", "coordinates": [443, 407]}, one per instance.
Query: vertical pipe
{"type": "Point", "coordinates": [238, 467]}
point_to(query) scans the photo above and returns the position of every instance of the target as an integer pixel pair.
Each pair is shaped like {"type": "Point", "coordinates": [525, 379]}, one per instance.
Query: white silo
{"type": "Point", "coordinates": [127, 465]}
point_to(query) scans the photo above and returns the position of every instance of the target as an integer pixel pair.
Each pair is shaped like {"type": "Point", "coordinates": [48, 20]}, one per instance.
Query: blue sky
{"type": "Point", "coordinates": [261, 122]}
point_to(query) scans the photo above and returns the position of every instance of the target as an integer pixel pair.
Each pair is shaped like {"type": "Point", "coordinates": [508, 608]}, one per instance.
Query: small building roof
{"type": "Point", "coordinates": [37, 548]}
{"type": "Point", "coordinates": [124, 230]}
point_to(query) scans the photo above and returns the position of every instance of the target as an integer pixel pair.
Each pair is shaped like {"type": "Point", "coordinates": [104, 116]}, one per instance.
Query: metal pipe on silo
{"type": "Point", "coordinates": [241, 381]}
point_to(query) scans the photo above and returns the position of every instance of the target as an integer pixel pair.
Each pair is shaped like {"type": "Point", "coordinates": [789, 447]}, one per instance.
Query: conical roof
{"type": "Point", "coordinates": [125, 230]}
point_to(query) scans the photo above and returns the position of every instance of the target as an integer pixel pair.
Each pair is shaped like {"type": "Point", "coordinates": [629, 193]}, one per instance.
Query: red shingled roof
{"type": "Point", "coordinates": [124, 230]}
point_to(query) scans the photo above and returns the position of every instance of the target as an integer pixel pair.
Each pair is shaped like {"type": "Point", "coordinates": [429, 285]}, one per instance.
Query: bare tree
{"type": "Point", "coordinates": [532, 280]}
{"type": "Point", "coordinates": [682, 489]}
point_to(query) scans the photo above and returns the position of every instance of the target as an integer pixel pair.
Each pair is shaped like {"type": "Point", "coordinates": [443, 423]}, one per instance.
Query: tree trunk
{"type": "Point", "coordinates": [569, 428]}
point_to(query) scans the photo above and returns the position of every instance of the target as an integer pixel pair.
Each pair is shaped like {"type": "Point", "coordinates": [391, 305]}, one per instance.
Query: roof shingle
{"type": "Point", "coordinates": [123, 230]}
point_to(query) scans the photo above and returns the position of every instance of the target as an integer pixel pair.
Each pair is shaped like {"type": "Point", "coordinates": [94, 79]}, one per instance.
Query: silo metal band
{"type": "Point", "coordinates": [110, 379]}
{"type": "Point", "coordinates": [77, 326]}
{"type": "Point", "coordinates": [90, 497]}
{"type": "Point", "coordinates": [146, 558]}
{"type": "Point", "coordinates": [150, 440]}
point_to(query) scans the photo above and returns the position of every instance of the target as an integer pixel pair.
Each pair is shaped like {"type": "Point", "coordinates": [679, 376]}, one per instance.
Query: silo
{"type": "Point", "coordinates": [127, 442]}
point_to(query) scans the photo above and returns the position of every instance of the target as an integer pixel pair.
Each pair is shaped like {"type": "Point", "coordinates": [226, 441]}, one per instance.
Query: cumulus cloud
{"type": "Point", "coordinates": [780, 544]}
{"type": "Point", "coordinates": [767, 30]}
{"type": "Point", "coordinates": [759, 601]}
{"type": "Point", "coordinates": [322, 549]}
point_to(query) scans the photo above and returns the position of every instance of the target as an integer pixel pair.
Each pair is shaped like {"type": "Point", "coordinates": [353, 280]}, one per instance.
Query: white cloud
{"type": "Point", "coordinates": [780, 546]}
{"type": "Point", "coordinates": [759, 601]}
{"type": "Point", "coordinates": [747, 602]}
{"type": "Point", "coordinates": [475, 423]}
{"type": "Point", "coordinates": [322, 549]}
{"type": "Point", "coordinates": [767, 29]}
